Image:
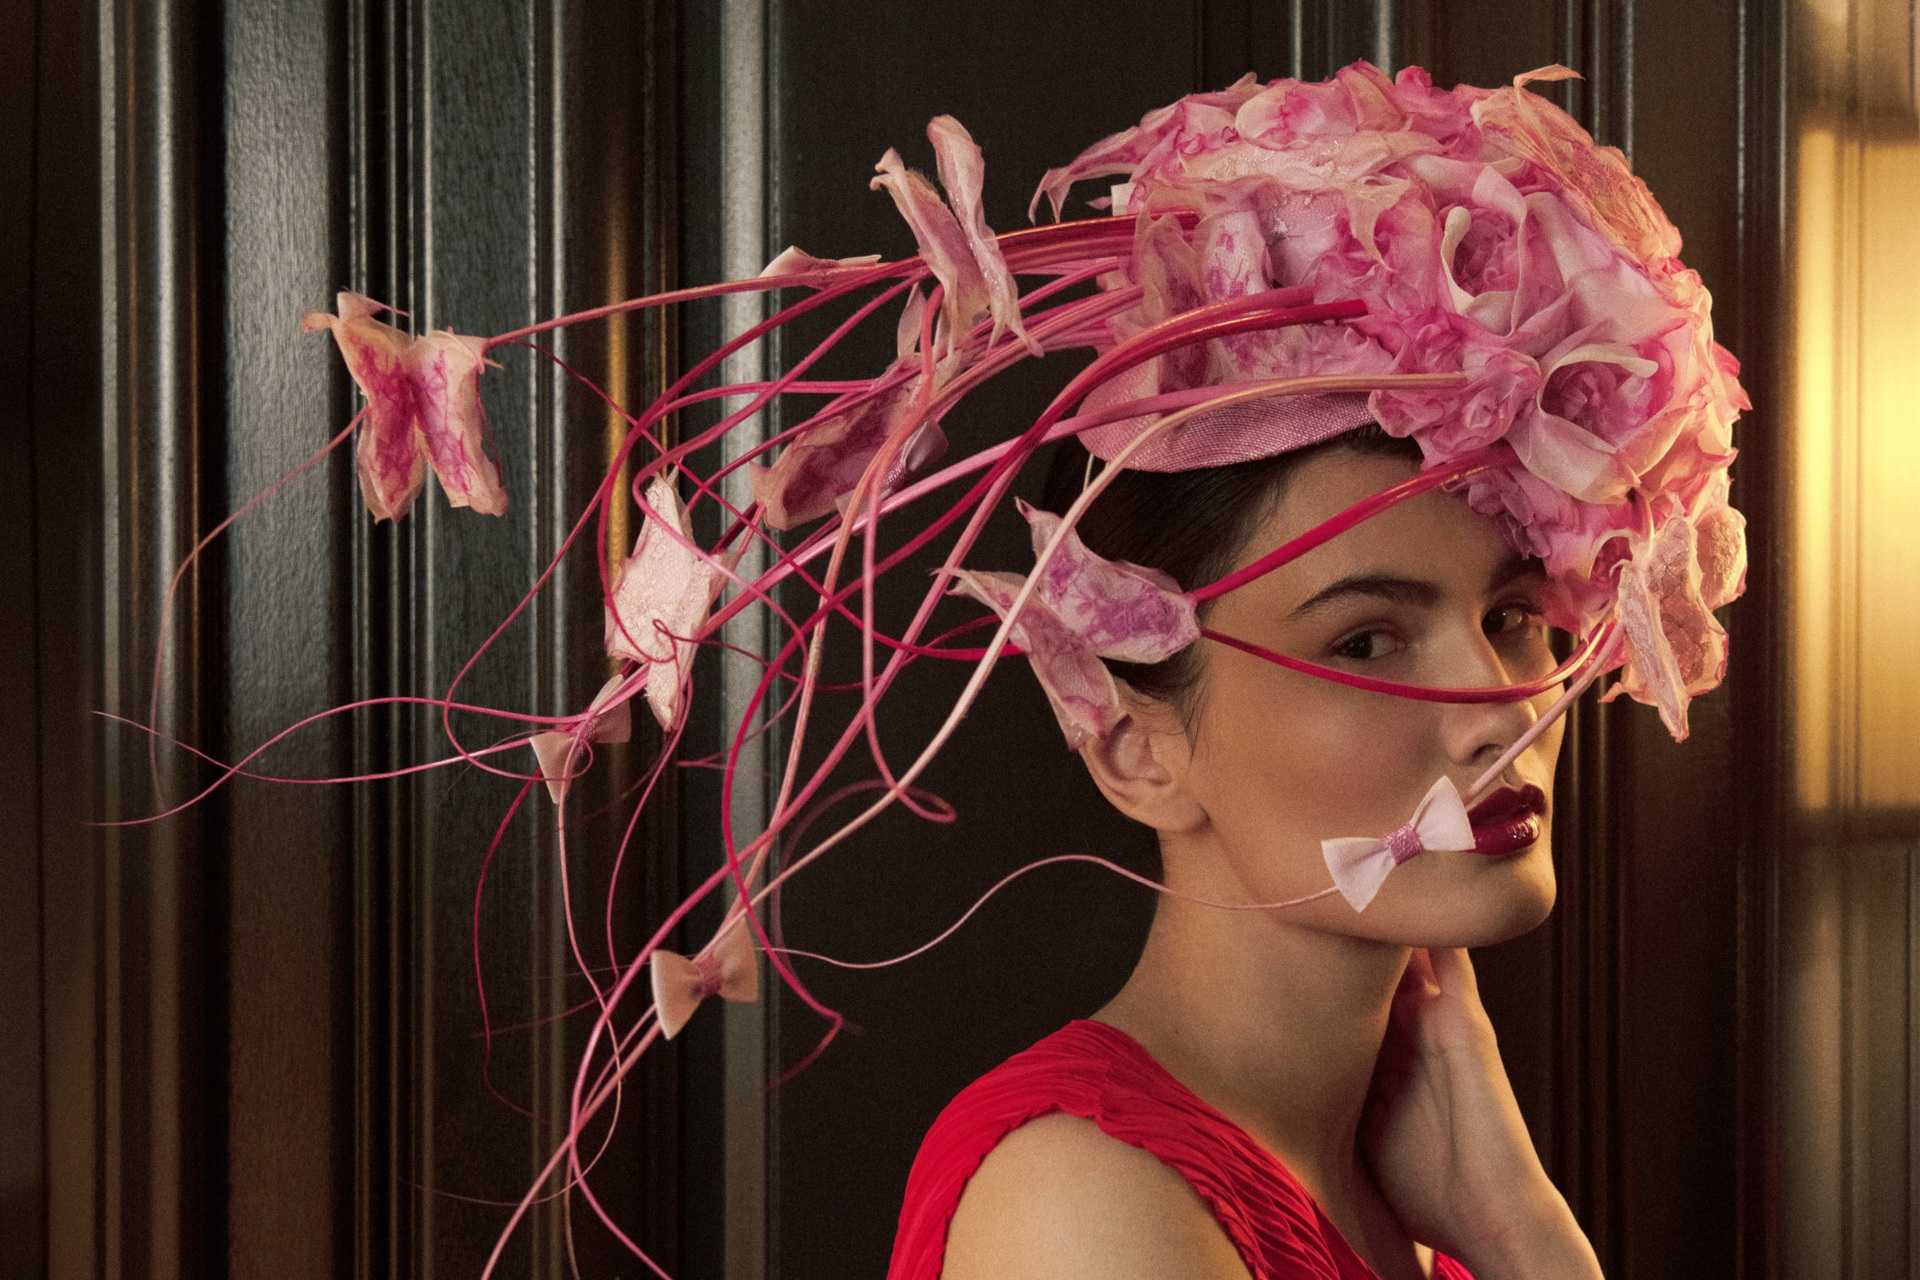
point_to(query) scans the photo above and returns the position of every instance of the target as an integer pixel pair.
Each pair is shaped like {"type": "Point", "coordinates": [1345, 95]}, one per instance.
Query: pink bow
{"type": "Point", "coordinates": [1360, 864]}
{"type": "Point", "coordinates": [600, 722]}
{"type": "Point", "coordinates": [725, 968]}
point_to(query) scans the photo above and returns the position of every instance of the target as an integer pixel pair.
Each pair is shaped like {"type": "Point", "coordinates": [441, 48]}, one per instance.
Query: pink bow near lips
{"type": "Point", "coordinates": [726, 968]}
{"type": "Point", "coordinates": [1360, 864]}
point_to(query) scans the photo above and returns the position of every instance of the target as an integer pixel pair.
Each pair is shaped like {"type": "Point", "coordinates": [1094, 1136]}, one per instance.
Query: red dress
{"type": "Point", "coordinates": [1094, 1071]}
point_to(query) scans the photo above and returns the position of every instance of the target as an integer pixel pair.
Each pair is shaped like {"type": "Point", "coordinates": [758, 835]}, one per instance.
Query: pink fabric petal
{"type": "Point", "coordinates": [446, 371]}
{"type": "Point", "coordinates": [942, 243]}
{"type": "Point", "coordinates": [388, 457]}
{"type": "Point", "coordinates": [1119, 610]}
{"type": "Point", "coordinates": [794, 261]}
{"type": "Point", "coordinates": [1675, 646]}
{"type": "Point", "coordinates": [1597, 178]}
{"type": "Point", "coordinates": [609, 716]}
{"type": "Point", "coordinates": [1083, 693]}
{"type": "Point", "coordinates": [815, 474]}
{"type": "Point", "coordinates": [555, 753]}
{"type": "Point", "coordinates": [962, 172]}
{"type": "Point", "coordinates": [658, 601]}
{"type": "Point", "coordinates": [1723, 556]}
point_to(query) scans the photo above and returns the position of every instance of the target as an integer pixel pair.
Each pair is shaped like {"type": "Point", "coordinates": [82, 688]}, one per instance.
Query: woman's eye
{"type": "Point", "coordinates": [1364, 646]}
{"type": "Point", "coordinates": [1507, 620]}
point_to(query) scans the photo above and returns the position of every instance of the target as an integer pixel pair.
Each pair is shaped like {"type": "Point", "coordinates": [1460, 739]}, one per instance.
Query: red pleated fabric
{"type": "Point", "coordinates": [1091, 1070]}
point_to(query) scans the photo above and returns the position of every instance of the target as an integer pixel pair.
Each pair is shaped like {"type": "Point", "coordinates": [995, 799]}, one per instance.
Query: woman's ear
{"type": "Point", "coordinates": [1141, 766]}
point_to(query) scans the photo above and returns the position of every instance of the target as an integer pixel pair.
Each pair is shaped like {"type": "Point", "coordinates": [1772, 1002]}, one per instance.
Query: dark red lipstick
{"type": "Point", "coordinates": [1507, 821]}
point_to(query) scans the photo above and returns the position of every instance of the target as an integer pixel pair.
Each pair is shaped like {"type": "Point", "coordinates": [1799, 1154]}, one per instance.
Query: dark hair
{"type": "Point", "coordinates": [1191, 525]}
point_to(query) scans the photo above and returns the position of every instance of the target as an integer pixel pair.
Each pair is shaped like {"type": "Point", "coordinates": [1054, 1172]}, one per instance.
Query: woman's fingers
{"type": "Point", "coordinates": [1452, 972]}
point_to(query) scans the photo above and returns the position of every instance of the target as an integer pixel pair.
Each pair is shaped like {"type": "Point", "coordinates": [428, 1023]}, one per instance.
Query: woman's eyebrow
{"type": "Point", "coordinates": [1380, 586]}
{"type": "Point", "coordinates": [1513, 568]}
{"type": "Point", "coordinates": [1396, 589]}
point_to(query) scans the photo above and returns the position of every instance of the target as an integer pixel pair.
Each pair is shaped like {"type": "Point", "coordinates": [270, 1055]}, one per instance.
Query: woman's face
{"type": "Point", "coordinates": [1425, 593]}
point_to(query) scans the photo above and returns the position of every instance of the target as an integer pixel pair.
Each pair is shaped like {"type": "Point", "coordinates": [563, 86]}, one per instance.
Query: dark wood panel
{"type": "Point", "coordinates": [288, 1089]}
{"type": "Point", "coordinates": [23, 1192]}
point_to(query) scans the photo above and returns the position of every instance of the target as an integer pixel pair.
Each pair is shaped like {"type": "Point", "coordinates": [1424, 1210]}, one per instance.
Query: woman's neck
{"type": "Point", "coordinates": [1276, 1026]}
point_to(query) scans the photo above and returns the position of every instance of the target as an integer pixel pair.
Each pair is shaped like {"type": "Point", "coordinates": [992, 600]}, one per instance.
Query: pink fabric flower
{"type": "Point", "coordinates": [423, 406]}
{"type": "Point", "coordinates": [1488, 235]}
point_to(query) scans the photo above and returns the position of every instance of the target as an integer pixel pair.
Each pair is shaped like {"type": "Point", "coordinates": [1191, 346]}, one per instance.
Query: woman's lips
{"type": "Point", "coordinates": [1507, 821]}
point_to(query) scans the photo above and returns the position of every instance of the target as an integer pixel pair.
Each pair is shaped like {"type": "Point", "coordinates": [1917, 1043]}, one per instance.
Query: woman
{"type": "Point", "coordinates": [1277, 1020]}
{"type": "Point", "coordinates": [1387, 380]}
{"type": "Point", "coordinates": [1315, 1090]}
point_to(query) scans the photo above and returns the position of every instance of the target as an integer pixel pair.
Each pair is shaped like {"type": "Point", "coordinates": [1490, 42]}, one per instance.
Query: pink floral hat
{"type": "Point", "coordinates": [1487, 235]}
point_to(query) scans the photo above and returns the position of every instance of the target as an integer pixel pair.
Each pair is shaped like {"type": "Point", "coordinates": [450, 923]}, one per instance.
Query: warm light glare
{"type": "Point", "coordinates": [1856, 472]}
{"type": "Point", "coordinates": [618, 506]}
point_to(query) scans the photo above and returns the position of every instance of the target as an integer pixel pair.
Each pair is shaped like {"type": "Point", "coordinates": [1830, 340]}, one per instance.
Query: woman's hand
{"type": "Point", "coordinates": [1445, 1140]}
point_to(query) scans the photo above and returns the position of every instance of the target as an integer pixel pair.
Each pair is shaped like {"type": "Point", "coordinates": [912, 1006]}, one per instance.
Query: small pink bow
{"type": "Point", "coordinates": [1360, 864]}
{"type": "Point", "coordinates": [600, 722]}
{"type": "Point", "coordinates": [725, 968]}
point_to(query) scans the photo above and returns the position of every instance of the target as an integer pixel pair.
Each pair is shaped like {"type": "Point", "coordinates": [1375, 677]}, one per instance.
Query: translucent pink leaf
{"type": "Point", "coordinates": [943, 244]}
{"type": "Point", "coordinates": [963, 173]}
{"type": "Point", "coordinates": [794, 261]}
{"type": "Point", "coordinates": [817, 472]}
{"type": "Point", "coordinates": [1675, 647]}
{"type": "Point", "coordinates": [446, 373]}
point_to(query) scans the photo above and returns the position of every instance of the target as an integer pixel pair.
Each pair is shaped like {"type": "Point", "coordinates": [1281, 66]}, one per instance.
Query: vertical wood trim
{"type": "Point", "coordinates": [1586, 1141]}
{"type": "Point", "coordinates": [66, 340]}
{"type": "Point", "coordinates": [745, 214]}
{"type": "Point", "coordinates": [287, 923]}
{"type": "Point", "coordinates": [158, 433]}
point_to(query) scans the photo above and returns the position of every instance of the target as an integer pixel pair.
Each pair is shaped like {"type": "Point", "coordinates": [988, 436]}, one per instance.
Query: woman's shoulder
{"type": "Point", "coordinates": [1026, 1133]}
{"type": "Point", "coordinates": [1058, 1197]}
{"type": "Point", "coordinates": [1083, 1143]}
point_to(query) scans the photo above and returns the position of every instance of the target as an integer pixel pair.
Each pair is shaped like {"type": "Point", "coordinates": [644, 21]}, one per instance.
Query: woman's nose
{"type": "Point", "coordinates": [1480, 731]}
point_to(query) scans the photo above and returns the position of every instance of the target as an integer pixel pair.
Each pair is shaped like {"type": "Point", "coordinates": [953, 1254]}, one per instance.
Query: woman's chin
{"type": "Point", "coordinates": [1463, 899]}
